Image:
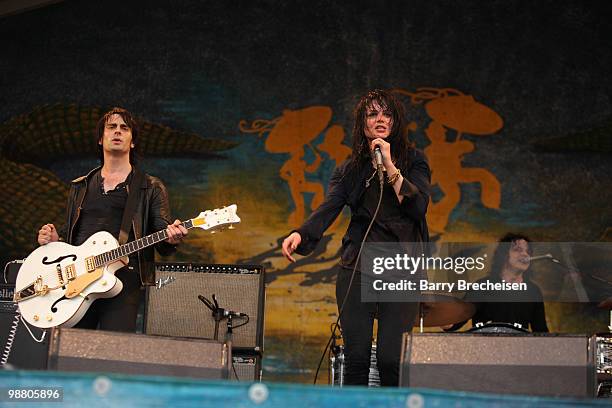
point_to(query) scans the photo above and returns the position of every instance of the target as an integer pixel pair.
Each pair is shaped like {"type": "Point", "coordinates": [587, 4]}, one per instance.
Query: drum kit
{"type": "Point", "coordinates": [442, 310]}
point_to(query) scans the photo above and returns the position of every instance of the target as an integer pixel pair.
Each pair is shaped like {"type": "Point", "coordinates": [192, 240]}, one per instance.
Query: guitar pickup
{"type": "Point", "coordinates": [70, 272]}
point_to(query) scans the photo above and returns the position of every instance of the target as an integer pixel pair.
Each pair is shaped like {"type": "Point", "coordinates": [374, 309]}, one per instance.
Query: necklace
{"type": "Point", "coordinates": [367, 183]}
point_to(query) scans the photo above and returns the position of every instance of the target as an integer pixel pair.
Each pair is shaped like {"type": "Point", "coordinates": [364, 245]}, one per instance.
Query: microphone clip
{"type": "Point", "coordinates": [219, 313]}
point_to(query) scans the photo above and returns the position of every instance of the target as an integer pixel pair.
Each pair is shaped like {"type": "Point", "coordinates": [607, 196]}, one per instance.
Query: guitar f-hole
{"type": "Point", "coordinates": [45, 260]}
{"type": "Point", "coordinates": [54, 307]}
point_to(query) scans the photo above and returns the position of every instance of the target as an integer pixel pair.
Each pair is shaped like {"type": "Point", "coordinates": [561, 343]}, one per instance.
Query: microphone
{"type": "Point", "coordinates": [538, 257]}
{"type": "Point", "coordinates": [219, 311]}
{"type": "Point", "coordinates": [233, 314]}
{"type": "Point", "coordinates": [379, 164]}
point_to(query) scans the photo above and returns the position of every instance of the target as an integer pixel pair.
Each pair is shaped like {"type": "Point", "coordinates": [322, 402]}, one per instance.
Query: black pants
{"type": "Point", "coordinates": [357, 320]}
{"type": "Point", "coordinates": [117, 313]}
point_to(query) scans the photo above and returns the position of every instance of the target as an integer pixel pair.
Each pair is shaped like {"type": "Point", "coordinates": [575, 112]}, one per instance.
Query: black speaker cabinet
{"type": "Point", "coordinates": [17, 346]}
{"type": "Point", "coordinates": [128, 353]}
{"type": "Point", "coordinates": [174, 309]}
{"type": "Point", "coordinates": [247, 368]}
{"type": "Point", "coordinates": [531, 364]}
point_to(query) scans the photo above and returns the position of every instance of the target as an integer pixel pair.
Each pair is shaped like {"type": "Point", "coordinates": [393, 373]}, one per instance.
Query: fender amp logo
{"type": "Point", "coordinates": [161, 282]}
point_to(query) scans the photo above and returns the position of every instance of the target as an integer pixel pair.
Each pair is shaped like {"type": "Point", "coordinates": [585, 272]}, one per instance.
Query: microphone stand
{"type": "Point", "coordinates": [573, 274]}
{"type": "Point", "coordinates": [219, 314]}
{"type": "Point", "coordinates": [228, 343]}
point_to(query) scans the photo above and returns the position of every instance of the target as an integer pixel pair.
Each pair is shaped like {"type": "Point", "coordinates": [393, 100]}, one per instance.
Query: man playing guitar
{"type": "Point", "coordinates": [99, 201]}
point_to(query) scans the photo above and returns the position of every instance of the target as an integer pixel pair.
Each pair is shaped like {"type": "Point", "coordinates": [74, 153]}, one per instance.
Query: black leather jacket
{"type": "Point", "coordinates": [347, 186]}
{"type": "Point", "coordinates": [152, 214]}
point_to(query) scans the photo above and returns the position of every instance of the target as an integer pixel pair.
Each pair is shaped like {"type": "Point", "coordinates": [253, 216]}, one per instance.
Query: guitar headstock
{"type": "Point", "coordinates": [217, 218]}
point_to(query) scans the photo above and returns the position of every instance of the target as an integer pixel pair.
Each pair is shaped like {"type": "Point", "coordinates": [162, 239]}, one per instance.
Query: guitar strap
{"type": "Point", "coordinates": [134, 194]}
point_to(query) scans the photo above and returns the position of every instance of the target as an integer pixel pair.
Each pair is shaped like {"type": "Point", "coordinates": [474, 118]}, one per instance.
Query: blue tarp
{"type": "Point", "coordinates": [113, 390]}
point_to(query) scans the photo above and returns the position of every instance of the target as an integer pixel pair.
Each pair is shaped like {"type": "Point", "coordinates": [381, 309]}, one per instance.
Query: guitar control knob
{"type": "Point", "coordinates": [36, 318]}
{"type": "Point", "coordinates": [104, 283]}
{"type": "Point", "coordinates": [49, 318]}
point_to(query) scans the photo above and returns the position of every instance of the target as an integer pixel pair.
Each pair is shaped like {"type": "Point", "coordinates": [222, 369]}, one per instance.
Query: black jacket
{"type": "Point", "coordinates": [347, 186]}
{"type": "Point", "coordinates": [152, 214]}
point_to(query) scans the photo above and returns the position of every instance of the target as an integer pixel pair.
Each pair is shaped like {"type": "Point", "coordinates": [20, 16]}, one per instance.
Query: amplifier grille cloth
{"type": "Point", "coordinates": [175, 310]}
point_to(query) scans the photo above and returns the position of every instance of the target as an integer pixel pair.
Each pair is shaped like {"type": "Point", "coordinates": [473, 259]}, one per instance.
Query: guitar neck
{"type": "Point", "coordinates": [134, 246]}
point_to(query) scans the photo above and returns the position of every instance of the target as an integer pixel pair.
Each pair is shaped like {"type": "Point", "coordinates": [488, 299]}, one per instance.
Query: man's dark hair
{"type": "Point", "coordinates": [130, 121]}
{"type": "Point", "coordinates": [502, 252]}
{"type": "Point", "coordinates": [397, 137]}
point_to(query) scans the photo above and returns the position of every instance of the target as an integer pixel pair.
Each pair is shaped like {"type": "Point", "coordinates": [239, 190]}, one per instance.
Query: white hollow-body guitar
{"type": "Point", "coordinates": [58, 282]}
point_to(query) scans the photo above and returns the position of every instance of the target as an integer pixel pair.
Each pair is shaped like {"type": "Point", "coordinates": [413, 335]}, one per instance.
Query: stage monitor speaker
{"type": "Point", "coordinates": [19, 349]}
{"type": "Point", "coordinates": [531, 364]}
{"type": "Point", "coordinates": [128, 353]}
{"type": "Point", "coordinates": [174, 309]}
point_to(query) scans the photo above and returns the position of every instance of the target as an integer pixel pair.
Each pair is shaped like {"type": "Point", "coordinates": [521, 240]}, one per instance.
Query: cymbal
{"type": "Point", "coordinates": [442, 310]}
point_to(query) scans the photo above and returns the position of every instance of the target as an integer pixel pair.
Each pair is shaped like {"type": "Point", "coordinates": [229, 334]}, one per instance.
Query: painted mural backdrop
{"type": "Point", "coordinates": [251, 104]}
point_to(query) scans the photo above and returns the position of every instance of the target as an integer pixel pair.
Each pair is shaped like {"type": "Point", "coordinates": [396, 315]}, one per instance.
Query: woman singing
{"type": "Point", "coordinates": [379, 121]}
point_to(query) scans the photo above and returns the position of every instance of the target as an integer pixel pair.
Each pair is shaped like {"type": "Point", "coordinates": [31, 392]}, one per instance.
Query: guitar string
{"type": "Point", "coordinates": [49, 274]}
{"type": "Point", "coordinates": [52, 274]}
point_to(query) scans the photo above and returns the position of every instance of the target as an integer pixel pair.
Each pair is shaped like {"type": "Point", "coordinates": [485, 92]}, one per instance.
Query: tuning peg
{"type": "Point", "coordinates": [231, 226]}
{"type": "Point", "coordinates": [213, 232]}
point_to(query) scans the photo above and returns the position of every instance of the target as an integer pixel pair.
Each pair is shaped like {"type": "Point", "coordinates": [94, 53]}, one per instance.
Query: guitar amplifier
{"type": "Point", "coordinates": [529, 364]}
{"type": "Point", "coordinates": [19, 348]}
{"type": "Point", "coordinates": [128, 353]}
{"type": "Point", "coordinates": [174, 309]}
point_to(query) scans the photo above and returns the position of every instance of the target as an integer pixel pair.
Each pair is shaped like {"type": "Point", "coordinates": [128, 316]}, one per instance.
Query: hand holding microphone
{"type": "Point", "coordinates": [379, 164]}
{"type": "Point", "coordinates": [380, 150]}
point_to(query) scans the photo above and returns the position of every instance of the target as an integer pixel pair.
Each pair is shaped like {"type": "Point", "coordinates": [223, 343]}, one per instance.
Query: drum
{"type": "Point", "coordinates": [337, 364]}
{"type": "Point", "coordinates": [498, 328]}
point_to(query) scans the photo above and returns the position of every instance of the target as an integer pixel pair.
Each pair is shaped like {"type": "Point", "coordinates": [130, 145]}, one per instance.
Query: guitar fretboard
{"type": "Point", "coordinates": [134, 246]}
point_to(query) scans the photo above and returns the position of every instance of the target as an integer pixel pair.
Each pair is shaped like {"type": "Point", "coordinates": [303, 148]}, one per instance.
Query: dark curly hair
{"type": "Point", "coordinates": [130, 121]}
{"type": "Point", "coordinates": [501, 254]}
{"type": "Point", "coordinates": [398, 139]}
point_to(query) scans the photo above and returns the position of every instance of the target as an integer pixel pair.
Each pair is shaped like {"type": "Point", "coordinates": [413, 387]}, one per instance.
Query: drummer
{"type": "Point", "coordinates": [511, 263]}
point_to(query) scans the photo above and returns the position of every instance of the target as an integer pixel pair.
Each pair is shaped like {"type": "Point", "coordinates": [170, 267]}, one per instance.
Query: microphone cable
{"type": "Point", "coordinates": [336, 324]}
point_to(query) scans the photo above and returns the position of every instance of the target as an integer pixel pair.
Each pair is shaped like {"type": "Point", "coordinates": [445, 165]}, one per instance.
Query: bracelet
{"type": "Point", "coordinates": [392, 179]}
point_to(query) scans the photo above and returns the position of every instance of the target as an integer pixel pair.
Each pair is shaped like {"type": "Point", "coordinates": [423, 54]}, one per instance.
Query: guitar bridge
{"type": "Point", "coordinates": [36, 288]}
